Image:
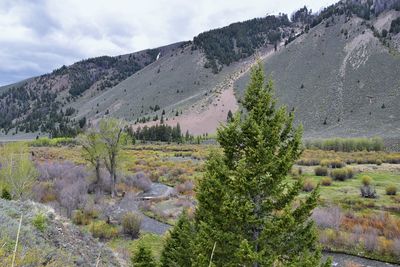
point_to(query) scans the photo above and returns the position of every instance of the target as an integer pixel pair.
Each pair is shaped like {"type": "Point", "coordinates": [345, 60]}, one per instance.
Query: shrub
{"type": "Point", "coordinates": [391, 190]}
{"type": "Point", "coordinates": [346, 144]}
{"type": "Point", "coordinates": [393, 159]}
{"type": "Point", "coordinates": [308, 162]}
{"type": "Point", "coordinates": [141, 181]}
{"type": "Point", "coordinates": [5, 194]}
{"type": "Point", "coordinates": [80, 218]}
{"type": "Point", "coordinates": [40, 222]}
{"type": "Point", "coordinates": [342, 174]}
{"type": "Point", "coordinates": [102, 230]}
{"type": "Point", "coordinates": [326, 181]}
{"type": "Point", "coordinates": [143, 257]}
{"type": "Point", "coordinates": [131, 223]}
{"type": "Point", "coordinates": [329, 217]}
{"type": "Point", "coordinates": [47, 142]}
{"type": "Point", "coordinates": [378, 162]}
{"type": "Point", "coordinates": [368, 191]}
{"type": "Point", "coordinates": [321, 171]}
{"type": "Point", "coordinates": [333, 163]}
{"type": "Point", "coordinates": [366, 180]}
{"type": "Point", "coordinates": [187, 186]}
{"type": "Point", "coordinates": [308, 185]}
{"type": "Point", "coordinates": [296, 172]}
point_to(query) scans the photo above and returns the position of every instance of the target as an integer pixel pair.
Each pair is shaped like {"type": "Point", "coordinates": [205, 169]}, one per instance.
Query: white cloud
{"type": "Point", "coordinates": [39, 36]}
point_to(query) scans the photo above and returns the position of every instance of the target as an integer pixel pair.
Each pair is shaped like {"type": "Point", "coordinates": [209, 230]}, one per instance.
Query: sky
{"type": "Point", "coordinates": [38, 36]}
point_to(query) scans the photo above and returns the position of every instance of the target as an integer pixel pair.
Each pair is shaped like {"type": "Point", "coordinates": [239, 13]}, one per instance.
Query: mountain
{"type": "Point", "coordinates": [342, 77]}
{"type": "Point", "coordinates": [338, 69]}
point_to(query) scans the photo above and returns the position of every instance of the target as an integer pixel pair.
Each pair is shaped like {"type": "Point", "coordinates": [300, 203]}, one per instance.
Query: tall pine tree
{"type": "Point", "coordinates": [177, 248]}
{"type": "Point", "coordinates": [143, 257]}
{"type": "Point", "coordinates": [247, 207]}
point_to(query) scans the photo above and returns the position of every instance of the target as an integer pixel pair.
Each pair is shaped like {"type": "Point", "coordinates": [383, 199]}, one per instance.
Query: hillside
{"type": "Point", "coordinates": [338, 69]}
{"type": "Point", "coordinates": [59, 243]}
{"type": "Point", "coordinates": [38, 104]}
{"type": "Point", "coordinates": [341, 78]}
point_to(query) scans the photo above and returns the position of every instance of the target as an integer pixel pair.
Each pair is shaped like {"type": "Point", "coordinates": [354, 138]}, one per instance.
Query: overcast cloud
{"type": "Point", "coordinates": [37, 36]}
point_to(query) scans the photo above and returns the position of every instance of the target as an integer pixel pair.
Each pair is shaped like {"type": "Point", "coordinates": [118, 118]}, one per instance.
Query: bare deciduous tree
{"type": "Point", "coordinates": [112, 135]}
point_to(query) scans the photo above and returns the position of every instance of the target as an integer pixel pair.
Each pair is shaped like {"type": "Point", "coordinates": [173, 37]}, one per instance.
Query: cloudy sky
{"type": "Point", "coordinates": [37, 36]}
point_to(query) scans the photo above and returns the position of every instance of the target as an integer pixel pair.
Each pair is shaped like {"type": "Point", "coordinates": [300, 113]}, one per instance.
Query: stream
{"type": "Point", "coordinates": [154, 226]}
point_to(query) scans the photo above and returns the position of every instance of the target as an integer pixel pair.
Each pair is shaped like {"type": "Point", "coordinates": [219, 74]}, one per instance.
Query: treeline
{"type": "Point", "coordinates": [82, 78]}
{"type": "Point", "coordinates": [25, 110]}
{"type": "Point", "coordinates": [239, 40]}
{"type": "Point", "coordinates": [162, 133]}
{"type": "Point", "coordinates": [346, 144]}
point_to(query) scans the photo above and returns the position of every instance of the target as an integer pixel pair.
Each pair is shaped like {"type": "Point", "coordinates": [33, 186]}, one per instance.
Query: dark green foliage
{"type": "Point", "coordinates": [82, 122]}
{"type": "Point", "coordinates": [395, 26]}
{"type": "Point", "coordinates": [162, 132]}
{"type": "Point", "coordinates": [40, 222]}
{"type": "Point", "coordinates": [5, 194]}
{"type": "Point", "coordinates": [177, 249]}
{"type": "Point", "coordinates": [69, 111]}
{"type": "Point", "coordinates": [245, 206]}
{"type": "Point", "coordinates": [143, 257]}
{"type": "Point", "coordinates": [384, 33]}
{"type": "Point", "coordinates": [229, 117]}
{"type": "Point", "coordinates": [239, 40]}
{"type": "Point", "coordinates": [302, 15]}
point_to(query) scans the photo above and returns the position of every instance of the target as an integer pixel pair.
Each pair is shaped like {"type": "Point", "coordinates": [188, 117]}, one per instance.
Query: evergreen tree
{"type": "Point", "coordinates": [229, 117]}
{"type": "Point", "coordinates": [177, 250]}
{"type": "Point", "coordinates": [246, 207]}
{"type": "Point", "coordinates": [143, 257]}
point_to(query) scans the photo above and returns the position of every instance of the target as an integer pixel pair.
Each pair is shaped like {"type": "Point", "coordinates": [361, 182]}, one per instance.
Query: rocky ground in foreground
{"type": "Point", "coordinates": [58, 243]}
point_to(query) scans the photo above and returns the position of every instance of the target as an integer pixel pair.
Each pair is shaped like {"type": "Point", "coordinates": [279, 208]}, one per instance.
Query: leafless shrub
{"type": "Point", "coordinates": [328, 217]}
{"type": "Point", "coordinates": [105, 181]}
{"type": "Point", "coordinates": [139, 180]}
{"type": "Point", "coordinates": [69, 182]}
{"type": "Point", "coordinates": [371, 241]}
{"type": "Point", "coordinates": [396, 246]}
{"type": "Point", "coordinates": [187, 186]}
{"type": "Point", "coordinates": [183, 203]}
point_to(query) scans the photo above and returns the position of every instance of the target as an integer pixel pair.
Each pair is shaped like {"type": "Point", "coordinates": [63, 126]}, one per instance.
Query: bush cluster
{"type": "Point", "coordinates": [391, 190]}
{"type": "Point", "coordinates": [346, 144]}
{"type": "Point", "coordinates": [40, 222]}
{"type": "Point", "coordinates": [326, 181]}
{"type": "Point", "coordinates": [333, 163]}
{"type": "Point", "coordinates": [131, 223]}
{"type": "Point", "coordinates": [321, 171]}
{"type": "Point", "coordinates": [308, 185]}
{"type": "Point", "coordinates": [102, 230]}
{"type": "Point", "coordinates": [342, 174]}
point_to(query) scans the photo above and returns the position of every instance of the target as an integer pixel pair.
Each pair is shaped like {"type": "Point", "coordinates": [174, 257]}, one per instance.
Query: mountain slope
{"type": "Point", "coordinates": [340, 78]}
{"type": "Point", "coordinates": [339, 69]}
{"type": "Point", "coordinates": [59, 243]}
{"type": "Point", "coordinates": [37, 104]}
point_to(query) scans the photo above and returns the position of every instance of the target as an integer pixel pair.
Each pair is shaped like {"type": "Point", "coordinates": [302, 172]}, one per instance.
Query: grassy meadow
{"type": "Point", "coordinates": [347, 222]}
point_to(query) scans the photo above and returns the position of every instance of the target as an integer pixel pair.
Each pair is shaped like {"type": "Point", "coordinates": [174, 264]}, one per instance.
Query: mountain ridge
{"type": "Point", "coordinates": [188, 78]}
